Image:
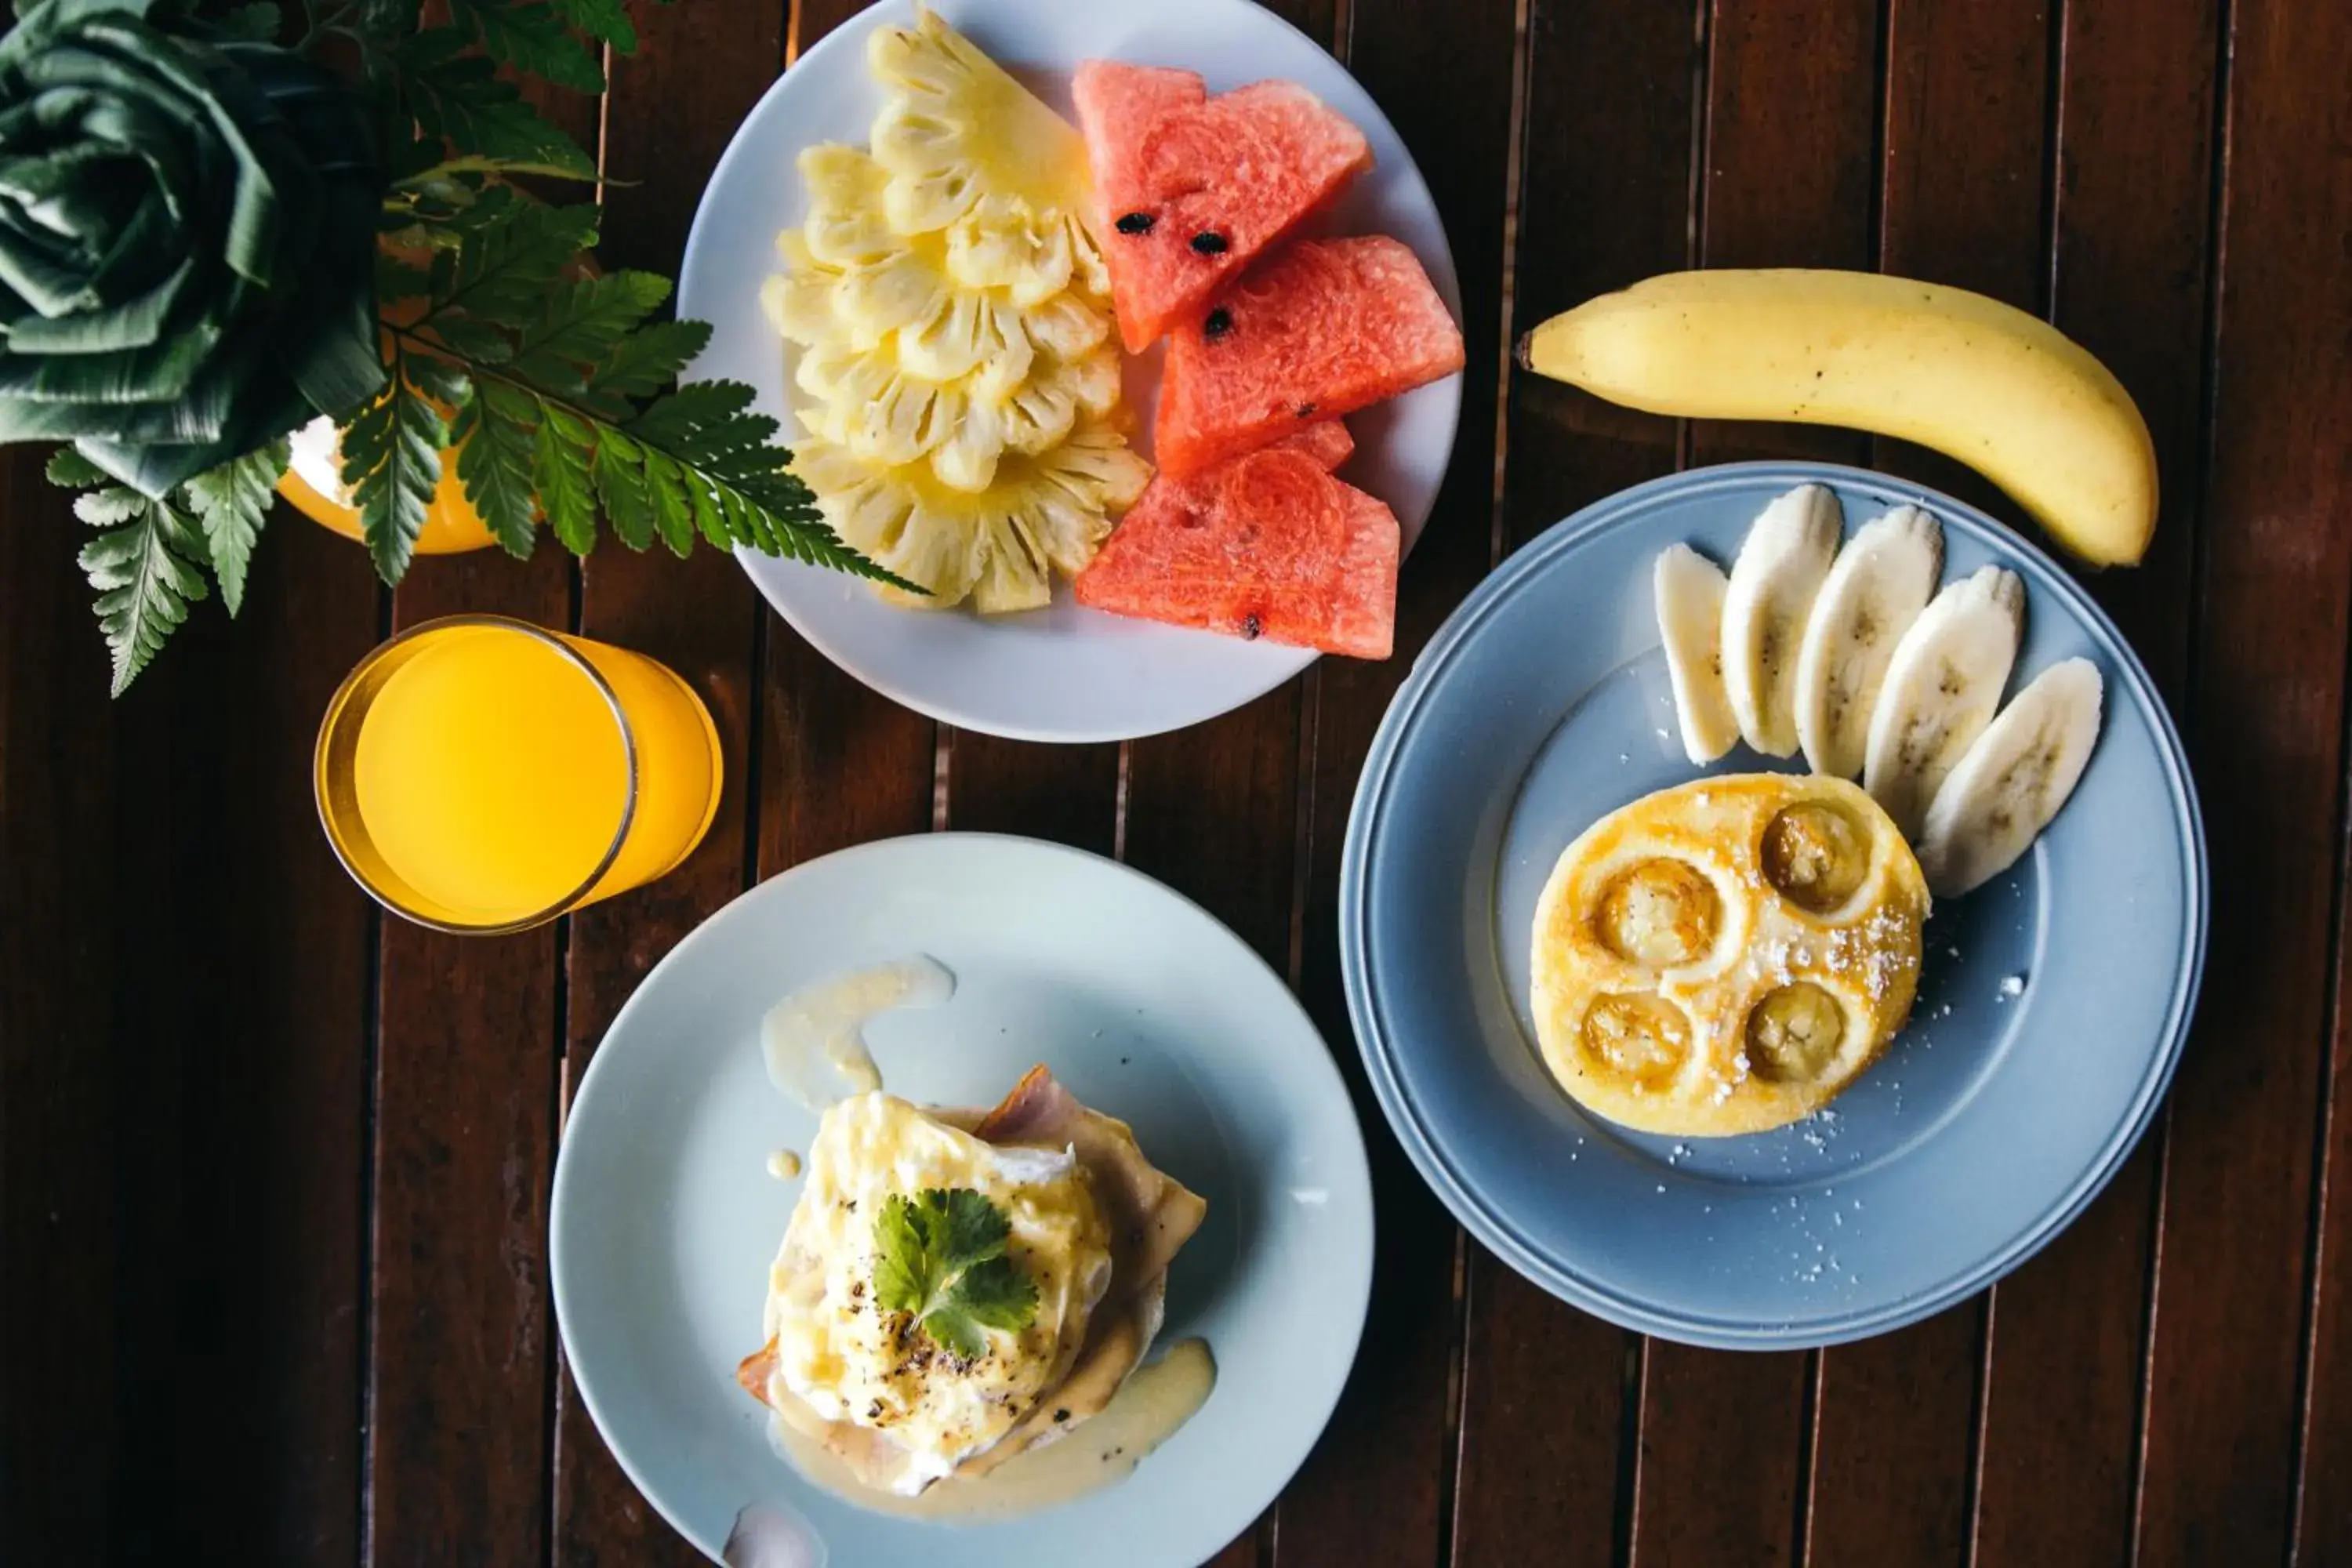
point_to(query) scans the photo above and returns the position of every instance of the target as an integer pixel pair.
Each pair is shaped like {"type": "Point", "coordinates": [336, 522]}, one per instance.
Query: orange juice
{"type": "Point", "coordinates": [483, 774]}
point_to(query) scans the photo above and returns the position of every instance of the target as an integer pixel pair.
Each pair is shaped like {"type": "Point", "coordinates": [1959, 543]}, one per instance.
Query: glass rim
{"type": "Point", "coordinates": [339, 704]}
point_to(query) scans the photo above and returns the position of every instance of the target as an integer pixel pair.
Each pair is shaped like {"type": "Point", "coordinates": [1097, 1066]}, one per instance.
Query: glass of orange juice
{"type": "Point", "coordinates": [482, 774]}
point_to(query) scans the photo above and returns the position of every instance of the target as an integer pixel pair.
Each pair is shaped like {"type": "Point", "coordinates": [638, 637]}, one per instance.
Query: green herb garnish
{"type": "Point", "coordinates": [940, 1258]}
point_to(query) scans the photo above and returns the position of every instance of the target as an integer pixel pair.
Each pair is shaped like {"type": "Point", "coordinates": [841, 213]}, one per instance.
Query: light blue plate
{"type": "Point", "coordinates": [1999, 1113]}
{"type": "Point", "coordinates": [665, 1219]}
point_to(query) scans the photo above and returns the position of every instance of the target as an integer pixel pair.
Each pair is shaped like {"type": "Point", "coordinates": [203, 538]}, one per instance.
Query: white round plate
{"type": "Point", "coordinates": [1064, 673]}
{"type": "Point", "coordinates": [665, 1219]}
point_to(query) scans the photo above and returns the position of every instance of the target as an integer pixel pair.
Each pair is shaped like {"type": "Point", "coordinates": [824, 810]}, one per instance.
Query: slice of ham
{"type": "Point", "coordinates": [1151, 1213]}
{"type": "Point", "coordinates": [1151, 1216]}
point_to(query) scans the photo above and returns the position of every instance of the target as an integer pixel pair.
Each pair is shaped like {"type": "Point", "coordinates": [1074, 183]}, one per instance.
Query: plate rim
{"type": "Point", "coordinates": [1353, 1305]}
{"type": "Point", "coordinates": [1482, 1219]}
{"type": "Point", "coordinates": [1445, 275]}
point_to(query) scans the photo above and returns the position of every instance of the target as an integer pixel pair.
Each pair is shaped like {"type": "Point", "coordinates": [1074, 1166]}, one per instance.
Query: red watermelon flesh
{"type": "Point", "coordinates": [1320, 329]}
{"type": "Point", "coordinates": [1269, 546]}
{"type": "Point", "coordinates": [1194, 188]}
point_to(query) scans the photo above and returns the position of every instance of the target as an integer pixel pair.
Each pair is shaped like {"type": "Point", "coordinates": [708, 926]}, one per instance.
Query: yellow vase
{"type": "Point", "coordinates": [314, 485]}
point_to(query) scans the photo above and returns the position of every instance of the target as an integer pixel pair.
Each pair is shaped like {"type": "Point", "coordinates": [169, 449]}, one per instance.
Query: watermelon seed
{"type": "Point", "coordinates": [1220, 322]}
{"type": "Point", "coordinates": [1209, 242]}
{"type": "Point", "coordinates": [1136, 223]}
{"type": "Point", "coordinates": [1251, 627]}
{"type": "Point", "coordinates": [1306, 411]}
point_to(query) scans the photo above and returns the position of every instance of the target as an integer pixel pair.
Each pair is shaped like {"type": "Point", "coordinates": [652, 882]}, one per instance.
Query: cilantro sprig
{"type": "Point", "coordinates": [940, 1258]}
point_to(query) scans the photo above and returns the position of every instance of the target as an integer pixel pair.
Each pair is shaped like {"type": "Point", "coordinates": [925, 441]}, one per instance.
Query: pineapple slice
{"type": "Point", "coordinates": [956, 375]}
{"type": "Point", "coordinates": [870, 403]}
{"type": "Point", "coordinates": [950, 310]}
{"type": "Point", "coordinates": [1045, 512]}
{"type": "Point", "coordinates": [799, 299]}
{"type": "Point", "coordinates": [845, 226]}
{"type": "Point", "coordinates": [972, 153]}
{"type": "Point", "coordinates": [882, 283]}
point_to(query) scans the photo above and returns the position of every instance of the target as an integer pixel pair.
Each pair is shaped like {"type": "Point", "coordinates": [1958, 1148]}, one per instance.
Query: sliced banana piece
{"type": "Point", "coordinates": [1780, 571]}
{"type": "Point", "coordinates": [1882, 580]}
{"type": "Point", "coordinates": [2008, 786]}
{"type": "Point", "coordinates": [1690, 589]}
{"type": "Point", "coordinates": [1942, 686]}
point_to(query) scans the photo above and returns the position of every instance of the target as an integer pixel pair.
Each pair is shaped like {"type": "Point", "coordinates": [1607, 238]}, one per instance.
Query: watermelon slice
{"type": "Point", "coordinates": [1192, 189]}
{"type": "Point", "coordinates": [1321, 328]}
{"type": "Point", "coordinates": [1267, 545]}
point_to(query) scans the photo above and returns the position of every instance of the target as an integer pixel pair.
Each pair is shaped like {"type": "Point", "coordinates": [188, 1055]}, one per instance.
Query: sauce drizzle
{"type": "Point", "coordinates": [1145, 1413]}
{"type": "Point", "coordinates": [815, 1039]}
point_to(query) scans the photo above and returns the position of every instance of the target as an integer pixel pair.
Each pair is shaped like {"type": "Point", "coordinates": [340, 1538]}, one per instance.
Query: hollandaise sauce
{"type": "Point", "coordinates": [815, 1039]}
{"type": "Point", "coordinates": [1144, 1414]}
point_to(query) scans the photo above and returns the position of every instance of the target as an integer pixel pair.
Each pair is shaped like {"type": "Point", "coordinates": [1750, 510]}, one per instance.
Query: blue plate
{"type": "Point", "coordinates": [2051, 1010]}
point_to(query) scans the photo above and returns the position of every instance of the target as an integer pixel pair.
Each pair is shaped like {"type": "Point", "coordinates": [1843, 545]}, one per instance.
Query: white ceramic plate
{"type": "Point", "coordinates": [665, 1218]}
{"type": "Point", "coordinates": [1063, 673]}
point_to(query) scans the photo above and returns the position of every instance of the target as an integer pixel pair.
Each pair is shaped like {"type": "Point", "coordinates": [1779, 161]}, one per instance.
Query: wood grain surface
{"type": "Point", "coordinates": [274, 1170]}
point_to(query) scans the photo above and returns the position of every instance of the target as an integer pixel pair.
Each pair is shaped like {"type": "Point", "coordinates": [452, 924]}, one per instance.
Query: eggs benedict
{"type": "Point", "coordinates": [955, 1288]}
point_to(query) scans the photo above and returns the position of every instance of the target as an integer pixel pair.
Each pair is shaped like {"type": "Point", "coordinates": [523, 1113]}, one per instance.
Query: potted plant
{"type": "Point", "coordinates": [216, 239]}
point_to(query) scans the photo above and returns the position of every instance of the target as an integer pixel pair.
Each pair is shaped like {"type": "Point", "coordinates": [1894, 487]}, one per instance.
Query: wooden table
{"type": "Point", "coordinates": [274, 1171]}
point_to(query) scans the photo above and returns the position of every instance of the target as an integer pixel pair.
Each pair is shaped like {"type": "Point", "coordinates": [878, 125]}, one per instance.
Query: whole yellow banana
{"type": "Point", "coordinates": [2001, 391]}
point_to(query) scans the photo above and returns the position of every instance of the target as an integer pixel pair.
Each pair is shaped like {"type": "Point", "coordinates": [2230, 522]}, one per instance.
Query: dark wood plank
{"type": "Point", "coordinates": [669, 111]}
{"type": "Point", "coordinates": [1789, 150]}
{"type": "Point", "coordinates": [266, 1203]}
{"type": "Point", "coordinates": [465, 1088]}
{"type": "Point", "coordinates": [2323, 1498]}
{"type": "Point", "coordinates": [1962, 201]}
{"type": "Point", "coordinates": [2265, 719]}
{"type": "Point", "coordinates": [65, 1401]}
{"type": "Point", "coordinates": [2066, 1337]}
{"type": "Point", "coordinates": [1891, 1442]}
{"type": "Point", "coordinates": [1720, 1433]}
{"type": "Point", "coordinates": [1606, 148]}
{"type": "Point", "coordinates": [1067, 793]}
{"type": "Point", "coordinates": [1376, 1488]}
{"type": "Point", "coordinates": [182, 997]}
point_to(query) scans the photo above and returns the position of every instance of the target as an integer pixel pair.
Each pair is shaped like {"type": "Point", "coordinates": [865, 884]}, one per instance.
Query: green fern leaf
{"type": "Point", "coordinates": [232, 503]}
{"type": "Point", "coordinates": [146, 576]}
{"type": "Point", "coordinates": [110, 508]}
{"type": "Point", "coordinates": [605, 19]}
{"type": "Point", "coordinates": [650, 358]}
{"type": "Point", "coordinates": [532, 38]}
{"type": "Point", "coordinates": [459, 99]}
{"type": "Point", "coordinates": [392, 461]}
{"type": "Point", "coordinates": [559, 469]}
{"type": "Point", "coordinates": [667, 492]}
{"type": "Point", "coordinates": [496, 435]}
{"type": "Point", "coordinates": [510, 255]}
{"type": "Point", "coordinates": [69, 469]}
{"type": "Point", "coordinates": [582, 326]}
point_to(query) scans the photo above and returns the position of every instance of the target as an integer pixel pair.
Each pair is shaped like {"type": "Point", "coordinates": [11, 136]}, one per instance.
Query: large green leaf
{"type": "Point", "coordinates": [604, 19]}
{"type": "Point", "coordinates": [532, 37]}
{"type": "Point", "coordinates": [461, 99]}
{"type": "Point", "coordinates": [559, 471]}
{"type": "Point", "coordinates": [498, 441]}
{"type": "Point", "coordinates": [146, 576]}
{"type": "Point", "coordinates": [392, 461]}
{"type": "Point", "coordinates": [187, 221]}
{"type": "Point", "coordinates": [232, 503]}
